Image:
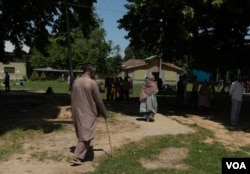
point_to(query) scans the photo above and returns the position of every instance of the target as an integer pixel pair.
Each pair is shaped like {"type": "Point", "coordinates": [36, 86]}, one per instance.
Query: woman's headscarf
{"type": "Point", "coordinates": [148, 88]}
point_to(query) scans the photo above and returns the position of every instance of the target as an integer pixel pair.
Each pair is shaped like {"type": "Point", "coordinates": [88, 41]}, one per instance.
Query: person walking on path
{"type": "Point", "coordinates": [7, 82]}
{"type": "Point", "coordinates": [148, 98]}
{"type": "Point", "coordinates": [86, 101]}
{"type": "Point", "coordinates": [236, 92]}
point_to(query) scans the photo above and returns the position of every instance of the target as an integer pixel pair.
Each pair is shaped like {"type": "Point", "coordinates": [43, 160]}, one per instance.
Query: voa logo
{"type": "Point", "coordinates": [236, 165]}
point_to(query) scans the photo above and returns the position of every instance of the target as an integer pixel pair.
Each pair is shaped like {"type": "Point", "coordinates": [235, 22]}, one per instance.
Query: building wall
{"type": "Point", "coordinates": [171, 77]}
{"type": "Point", "coordinates": [17, 70]}
{"type": "Point", "coordinates": [139, 75]}
{"type": "Point", "coordinates": [168, 76]}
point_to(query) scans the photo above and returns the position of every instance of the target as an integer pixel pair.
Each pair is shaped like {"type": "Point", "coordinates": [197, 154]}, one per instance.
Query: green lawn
{"type": "Point", "coordinates": [57, 86]}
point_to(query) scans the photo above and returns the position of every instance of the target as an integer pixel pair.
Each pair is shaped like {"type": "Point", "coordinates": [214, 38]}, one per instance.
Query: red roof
{"type": "Point", "coordinates": [131, 63]}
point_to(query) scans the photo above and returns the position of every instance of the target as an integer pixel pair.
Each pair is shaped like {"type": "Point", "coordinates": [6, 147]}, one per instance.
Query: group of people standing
{"type": "Point", "coordinates": [201, 96]}
{"type": "Point", "coordinates": [118, 89]}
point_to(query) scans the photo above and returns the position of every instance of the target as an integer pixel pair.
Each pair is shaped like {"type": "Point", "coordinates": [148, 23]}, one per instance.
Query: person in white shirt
{"type": "Point", "coordinates": [236, 93]}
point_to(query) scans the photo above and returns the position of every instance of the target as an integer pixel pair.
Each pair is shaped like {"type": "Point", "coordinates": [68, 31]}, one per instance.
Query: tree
{"type": "Point", "coordinates": [85, 50]}
{"type": "Point", "coordinates": [114, 65]}
{"type": "Point", "coordinates": [202, 33]}
{"type": "Point", "coordinates": [155, 26]}
{"type": "Point", "coordinates": [29, 21]}
{"type": "Point", "coordinates": [221, 35]}
{"type": "Point", "coordinates": [136, 53]}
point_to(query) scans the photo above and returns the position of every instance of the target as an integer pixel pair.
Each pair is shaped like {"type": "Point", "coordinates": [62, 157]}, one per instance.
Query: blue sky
{"type": "Point", "coordinates": [111, 11]}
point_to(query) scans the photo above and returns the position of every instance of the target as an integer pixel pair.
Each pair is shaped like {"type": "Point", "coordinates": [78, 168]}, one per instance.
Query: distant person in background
{"type": "Point", "coordinates": [194, 94]}
{"type": "Point", "coordinates": [125, 88]}
{"type": "Point", "coordinates": [247, 84]}
{"type": "Point", "coordinates": [7, 82]}
{"type": "Point", "coordinates": [236, 93]}
{"type": "Point", "coordinates": [160, 83]}
{"type": "Point", "coordinates": [185, 82]}
{"type": "Point", "coordinates": [148, 98]}
{"type": "Point", "coordinates": [204, 97]}
{"type": "Point", "coordinates": [131, 85]}
{"type": "Point", "coordinates": [68, 81]}
{"type": "Point", "coordinates": [22, 82]}
{"type": "Point", "coordinates": [118, 83]}
{"type": "Point", "coordinates": [180, 93]}
{"type": "Point", "coordinates": [49, 94]}
{"type": "Point", "coordinates": [110, 86]}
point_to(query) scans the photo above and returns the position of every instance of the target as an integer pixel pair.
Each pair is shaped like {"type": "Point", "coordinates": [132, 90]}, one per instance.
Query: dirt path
{"type": "Point", "coordinates": [50, 153]}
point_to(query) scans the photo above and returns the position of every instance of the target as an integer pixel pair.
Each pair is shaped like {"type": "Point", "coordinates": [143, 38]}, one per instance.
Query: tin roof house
{"type": "Point", "coordinates": [138, 69]}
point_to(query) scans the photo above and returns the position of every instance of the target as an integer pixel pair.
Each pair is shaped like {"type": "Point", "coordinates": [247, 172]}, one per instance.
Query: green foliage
{"type": "Point", "coordinates": [114, 65]}
{"type": "Point", "coordinates": [12, 143]}
{"type": "Point", "coordinates": [199, 33]}
{"type": "Point", "coordinates": [30, 22]}
{"type": "Point", "coordinates": [138, 53]}
{"type": "Point", "coordinates": [34, 76]}
{"type": "Point", "coordinates": [25, 78]}
{"type": "Point", "coordinates": [92, 50]}
{"type": "Point", "coordinates": [43, 76]}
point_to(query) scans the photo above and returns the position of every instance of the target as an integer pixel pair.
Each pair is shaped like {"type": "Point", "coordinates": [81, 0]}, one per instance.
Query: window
{"type": "Point", "coordinates": [9, 69]}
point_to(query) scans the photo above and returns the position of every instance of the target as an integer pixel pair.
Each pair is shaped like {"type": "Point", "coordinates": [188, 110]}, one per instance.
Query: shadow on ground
{"type": "Point", "coordinates": [30, 110]}
{"type": "Point", "coordinates": [219, 111]}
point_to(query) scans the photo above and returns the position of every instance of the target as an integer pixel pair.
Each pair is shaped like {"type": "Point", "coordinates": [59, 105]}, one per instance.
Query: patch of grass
{"type": "Point", "coordinates": [246, 148]}
{"type": "Point", "coordinates": [12, 141]}
{"type": "Point", "coordinates": [57, 86]}
{"type": "Point", "coordinates": [202, 157]}
{"type": "Point", "coordinates": [8, 149]}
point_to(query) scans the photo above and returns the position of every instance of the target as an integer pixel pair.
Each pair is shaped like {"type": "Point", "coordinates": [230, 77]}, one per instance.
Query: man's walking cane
{"type": "Point", "coordinates": [109, 137]}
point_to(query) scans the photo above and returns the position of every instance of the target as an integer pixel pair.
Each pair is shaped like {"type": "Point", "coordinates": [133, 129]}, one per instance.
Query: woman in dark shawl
{"type": "Point", "coordinates": [148, 98]}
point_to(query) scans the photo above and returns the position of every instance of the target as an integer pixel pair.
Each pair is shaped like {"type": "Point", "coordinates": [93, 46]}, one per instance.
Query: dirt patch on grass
{"type": "Point", "coordinates": [231, 140]}
{"type": "Point", "coordinates": [169, 158]}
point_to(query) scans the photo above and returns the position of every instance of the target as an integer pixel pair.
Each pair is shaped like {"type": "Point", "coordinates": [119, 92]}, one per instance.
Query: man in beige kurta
{"type": "Point", "coordinates": [86, 101]}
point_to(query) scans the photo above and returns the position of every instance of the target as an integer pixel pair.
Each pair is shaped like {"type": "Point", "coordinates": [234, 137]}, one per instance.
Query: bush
{"type": "Point", "coordinates": [25, 78]}
{"type": "Point", "coordinates": [43, 76]}
{"type": "Point", "coordinates": [34, 76]}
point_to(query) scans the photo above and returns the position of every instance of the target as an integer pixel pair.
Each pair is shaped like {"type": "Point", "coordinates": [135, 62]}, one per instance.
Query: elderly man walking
{"type": "Point", "coordinates": [86, 101]}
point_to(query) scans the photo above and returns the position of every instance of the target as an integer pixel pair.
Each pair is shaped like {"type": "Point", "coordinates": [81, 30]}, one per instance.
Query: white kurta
{"type": "Point", "coordinates": [149, 104]}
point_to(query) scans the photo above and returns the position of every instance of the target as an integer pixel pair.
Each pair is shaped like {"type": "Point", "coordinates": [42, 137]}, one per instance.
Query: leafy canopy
{"type": "Point", "coordinates": [33, 22]}
{"type": "Point", "coordinates": [203, 33]}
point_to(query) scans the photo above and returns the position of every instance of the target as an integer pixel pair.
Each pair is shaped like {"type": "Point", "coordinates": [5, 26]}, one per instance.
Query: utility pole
{"type": "Point", "coordinates": [69, 43]}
